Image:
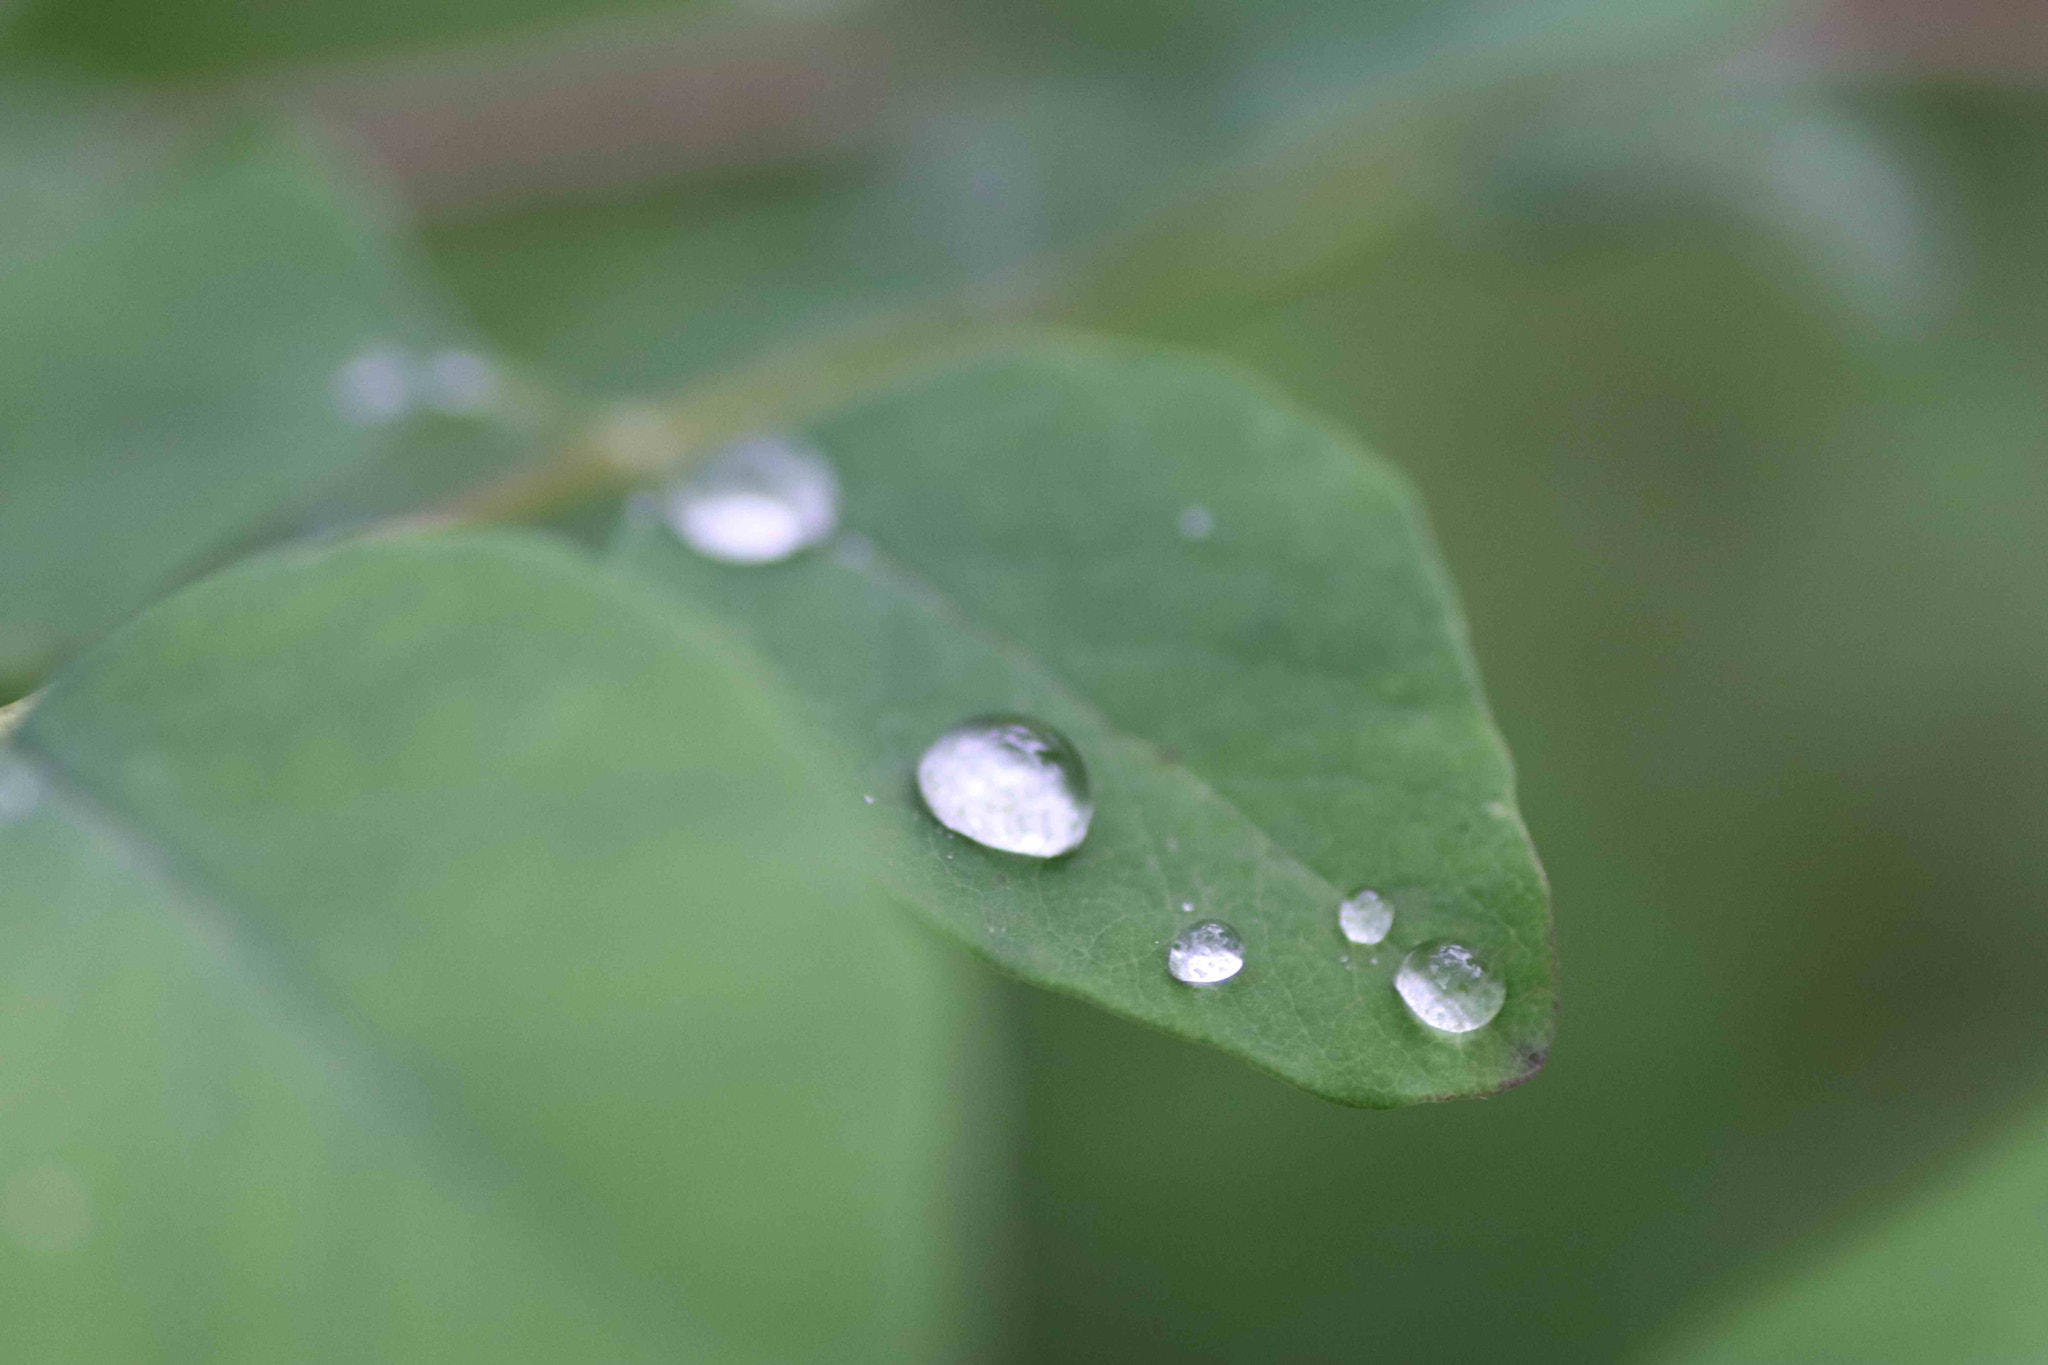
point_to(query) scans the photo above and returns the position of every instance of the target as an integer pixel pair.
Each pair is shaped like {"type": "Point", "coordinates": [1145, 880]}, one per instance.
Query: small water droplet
{"type": "Point", "coordinates": [1197, 522]}
{"type": "Point", "coordinates": [45, 1210]}
{"type": "Point", "coordinates": [372, 387]}
{"type": "Point", "coordinates": [757, 502]}
{"type": "Point", "coordinates": [1447, 987]}
{"type": "Point", "coordinates": [1365, 916]}
{"type": "Point", "coordinates": [460, 383]}
{"type": "Point", "coordinates": [1187, 907]}
{"type": "Point", "coordinates": [1206, 953]}
{"type": "Point", "coordinates": [1008, 782]}
{"type": "Point", "coordinates": [1344, 958]}
{"type": "Point", "coordinates": [868, 800]}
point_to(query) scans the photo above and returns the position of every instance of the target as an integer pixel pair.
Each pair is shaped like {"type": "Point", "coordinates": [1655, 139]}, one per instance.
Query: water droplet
{"type": "Point", "coordinates": [1365, 917]}
{"type": "Point", "coordinates": [372, 387]}
{"type": "Point", "coordinates": [1447, 987]}
{"type": "Point", "coordinates": [460, 383]}
{"type": "Point", "coordinates": [46, 1210]}
{"type": "Point", "coordinates": [868, 800]}
{"type": "Point", "coordinates": [1187, 907]}
{"type": "Point", "coordinates": [1010, 783]}
{"type": "Point", "coordinates": [757, 502]}
{"type": "Point", "coordinates": [20, 788]}
{"type": "Point", "coordinates": [1206, 953]}
{"type": "Point", "coordinates": [1197, 522]}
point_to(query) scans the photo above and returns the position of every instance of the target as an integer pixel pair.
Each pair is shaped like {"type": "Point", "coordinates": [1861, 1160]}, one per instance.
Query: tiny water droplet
{"type": "Point", "coordinates": [1447, 987]}
{"type": "Point", "coordinates": [1344, 958]}
{"type": "Point", "coordinates": [1365, 916]}
{"type": "Point", "coordinates": [1008, 782]}
{"type": "Point", "coordinates": [757, 502]}
{"type": "Point", "coordinates": [1206, 953]}
{"type": "Point", "coordinates": [1197, 522]}
{"type": "Point", "coordinates": [868, 800]}
{"type": "Point", "coordinates": [372, 387]}
{"type": "Point", "coordinates": [1187, 907]}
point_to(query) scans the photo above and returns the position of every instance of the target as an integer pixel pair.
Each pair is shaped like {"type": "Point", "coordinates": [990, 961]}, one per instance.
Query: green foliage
{"type": "Point", "coordinates": [1724, 383]}
{"type": "Point", "coordinates": [169, 365]}
{"type": "Point", "coordinates": [1276, 709]}
{"type": "Point", "coordinates": [1954, 1275]}
{"type": "Point", "coordinates": [430, 948]}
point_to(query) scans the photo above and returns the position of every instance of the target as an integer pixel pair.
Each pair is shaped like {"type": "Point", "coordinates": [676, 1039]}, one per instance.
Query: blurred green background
{"type": "Point", "coordinates": [1714, 336]}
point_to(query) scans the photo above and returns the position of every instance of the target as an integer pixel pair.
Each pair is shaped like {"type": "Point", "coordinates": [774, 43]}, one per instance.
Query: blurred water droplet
{"type": "Point", "coordinates": [867, 800]}
{"type": "Point", "coordinates": [372, 387]}
{"type": "Point", "coordinates": [21, 788]}
{"type": "Point", "coordinates": [1197, 522]}
{"type": "Point", "coordinates": [1187, 907]}
{"type": "Point", "coordinates": [1365, 917]}
{"type": "Point", "coordinates": [1206, 953]}
{"type": "Point", "coordinates": [460, 383]}
{"type": "Point", "coordinates": [758, 502]}
{"type": "Point", "coordinates": [1008, 782]}
{"type": "Point", "coordinates": [1447, 987]}
{"type": "Point", "coordinates": [45, 1210]}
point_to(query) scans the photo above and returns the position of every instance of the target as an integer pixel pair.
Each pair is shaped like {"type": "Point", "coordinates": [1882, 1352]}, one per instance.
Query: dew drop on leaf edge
{"type": "Point", "coordinates": [1447, 987]}
{"type": "Point", "coordinates": [1205, 954]}
{"type": "Point", "coordinates": [1008, 782]}
{"type": "Point", "coordinates": [1365, 916]}
{"type": "Point", "coordinates": [758, 501]}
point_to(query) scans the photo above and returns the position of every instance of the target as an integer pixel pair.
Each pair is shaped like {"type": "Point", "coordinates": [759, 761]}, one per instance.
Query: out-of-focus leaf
{"type": "Point", "coordinates": [1239, 619]}
{"type": "Point", "coordinates": [1954, 1276]}
{"type": "Point", "coordinates": [176, 364]}
{"type": "Point", "coordinates": [138, 37]}
{"type": "Point", "coordinates": [429, 950]}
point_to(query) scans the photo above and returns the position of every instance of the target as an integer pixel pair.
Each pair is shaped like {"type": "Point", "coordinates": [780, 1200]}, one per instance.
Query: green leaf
{"type": "Point", "coordinates": [426, 951]}
{"type": "Point", "coordinates": [169, 365]}
{"type": "Point", "coordinates": [1273, 715]}
{"type": "Point", "coordinates": [1956, 1275]}
{"type": "Point", "coordinates": [140, 37]}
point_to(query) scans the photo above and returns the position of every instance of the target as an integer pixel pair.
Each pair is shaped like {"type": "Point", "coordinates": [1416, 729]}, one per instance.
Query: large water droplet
{"type": "Point", "coordinates": [757, 502]}
{"type": "Point", "coordinates": [1447, 987]}
{"type": "Point", "coordinates": [1206, 953]}
{"type": "Point", "coordinates": [1010, 783]}
{"type": "Point", "coordinates": [1365, 917]}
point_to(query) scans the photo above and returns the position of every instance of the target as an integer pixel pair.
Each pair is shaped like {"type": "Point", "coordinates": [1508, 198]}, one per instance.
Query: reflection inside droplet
{"type": "Point", "coordinates": [1447, 987]}
{"type": "Point", "coordinates": [1205, 954]}
{"type": "Point", "coordinates": [1365, 916]}
{"type": "Point", "coordinates": [759, 501]}
{"type": "Point", "coordinates": [1009, 782]}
